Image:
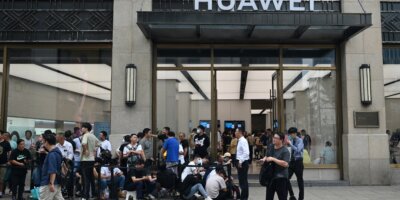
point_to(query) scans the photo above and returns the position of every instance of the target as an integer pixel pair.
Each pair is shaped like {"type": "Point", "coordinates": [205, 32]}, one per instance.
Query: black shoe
{"type": "Point", "coordinates": [292, 198]}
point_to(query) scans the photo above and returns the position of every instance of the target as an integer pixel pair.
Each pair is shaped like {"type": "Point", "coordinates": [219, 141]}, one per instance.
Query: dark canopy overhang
{"type": "Point", "coordinates": [251, 27]}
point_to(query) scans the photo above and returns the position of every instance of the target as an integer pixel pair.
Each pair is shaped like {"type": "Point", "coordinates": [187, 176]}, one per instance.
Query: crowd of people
{"type": "Point", "coordinates": [68, 165]}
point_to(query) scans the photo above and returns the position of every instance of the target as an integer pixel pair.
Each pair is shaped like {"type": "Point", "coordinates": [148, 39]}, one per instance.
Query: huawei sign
{"type": "Point", "coordinates": [229, 5]}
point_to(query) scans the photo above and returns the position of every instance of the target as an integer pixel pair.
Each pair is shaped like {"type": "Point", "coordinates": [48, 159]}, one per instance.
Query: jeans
{"type": "Point", "coordinates": [141, 188]}
{"type": "Point", "coordinates": [18, 184]}
{"type": "Point", "coordinates": [118, 180]}
{"type": "Point", "coordinates": [297, 167]}
{"type": "Point", "coordinates": [87, 178]}
{"type": "Point", "coordinates": [243, 181]}
{"type": "Point", "coordinates": [196, 188]}
{"type": "Point", "coordinates": [279, 186]}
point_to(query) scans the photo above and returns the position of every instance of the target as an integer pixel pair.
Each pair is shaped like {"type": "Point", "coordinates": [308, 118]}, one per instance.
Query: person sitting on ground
{"type": "Point", "coordinates": [192, 185]}
{"type": "Point", "coordinates": [216, 185]}
{"type": "Point", "coordinates": [118, 177]}
{"type": "Point", "coordinates": [140, 182]}
{"type": "Point", "coordinates": [194, 167]}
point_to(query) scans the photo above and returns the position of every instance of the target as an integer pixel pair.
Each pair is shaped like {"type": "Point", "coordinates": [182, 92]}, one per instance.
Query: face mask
{"type": "Point", "coordinates": [199, 161]}
{"type": "Point", "coordinates": [198, 131]}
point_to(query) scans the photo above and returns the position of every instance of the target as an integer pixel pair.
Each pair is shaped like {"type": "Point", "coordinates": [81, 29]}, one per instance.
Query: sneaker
{"type": "Point", "coordinates": [292, 198]}
{"type": "Point", "coordinates": [197, 196]}
{"type": "Point", "coordinates": [208, 198]}
{"type": "Point", "coordinates": [151, 196]}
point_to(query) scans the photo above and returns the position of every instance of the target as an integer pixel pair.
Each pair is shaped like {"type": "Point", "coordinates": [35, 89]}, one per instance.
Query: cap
{"type": "Point", "coordinates": [227, 154]}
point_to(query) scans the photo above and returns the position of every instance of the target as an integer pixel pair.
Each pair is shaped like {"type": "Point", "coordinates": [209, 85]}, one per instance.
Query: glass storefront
{"type": "Point", "coordinates": [243, 87]}
{"type": "Point", "coordinates": [58, 88]}
{"type": "Point", "coordinates": [391, 75]}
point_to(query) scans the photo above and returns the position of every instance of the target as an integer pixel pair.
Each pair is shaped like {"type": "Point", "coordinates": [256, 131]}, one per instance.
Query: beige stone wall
{"type": "Point", "coordinates": [365, 150]}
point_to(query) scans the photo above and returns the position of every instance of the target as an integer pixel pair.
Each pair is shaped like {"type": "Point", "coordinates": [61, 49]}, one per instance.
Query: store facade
{"type": "Point", "coordinates": [224, 64]}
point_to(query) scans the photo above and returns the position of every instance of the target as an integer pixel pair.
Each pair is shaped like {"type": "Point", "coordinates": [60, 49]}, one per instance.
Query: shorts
{"type": "Point", "coordinates": [3, 171]}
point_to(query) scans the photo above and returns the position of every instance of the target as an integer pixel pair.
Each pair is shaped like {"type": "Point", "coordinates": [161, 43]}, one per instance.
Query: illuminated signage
{"type": "Point", "coordinates": [230, 5]}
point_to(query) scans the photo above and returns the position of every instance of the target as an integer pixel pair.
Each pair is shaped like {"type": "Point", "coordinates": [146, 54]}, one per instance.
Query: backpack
{"type": "Point", "coordinates": [133, 158]}
{"type": "Point", "coordinates": [267, 171]}
{"type": "Point", "coordinates": [62, 176]}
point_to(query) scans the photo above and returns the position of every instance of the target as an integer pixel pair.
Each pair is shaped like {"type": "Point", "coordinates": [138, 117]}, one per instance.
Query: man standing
{"type": "Point", "coordinates": [171, 146]}
{"type": "Point", "coordinates": [67, 152]}
{"type": "Point", "coordinates": [104, 143]}
{"type": "Point", "coordinates": [185, 145]}
{"type": "Point", "coordinates": [89, 144]}
{"type": "Point", "coordinates": [278, 155]}
{"type": "Point", "coordinates": [147, 146]}
{"type": "Point", "coordinates": [202, 142]}
{"type": "Point", "coordinates": [296, 165]}
{"type": "Point", "coordinates": [5, 149]}
{"type": "Point", "coordinates": [50, 188]}
{"type": "Point", "coordinates": [242, 157]}
{"type": "Point", "coordinates": [133, 152]}
{"type": "Point", "coordinates": [19, 159]}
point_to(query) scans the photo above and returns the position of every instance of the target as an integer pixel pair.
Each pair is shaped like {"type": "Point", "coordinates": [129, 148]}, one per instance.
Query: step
{"type": "Point", "coordinates": [308, 183]}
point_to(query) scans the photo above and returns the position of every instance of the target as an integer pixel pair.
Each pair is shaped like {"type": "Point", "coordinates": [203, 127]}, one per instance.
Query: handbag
{"type": "Point", "coordinates": [35, 194]}
{"type": "Point", "coordinates": [267, 172]}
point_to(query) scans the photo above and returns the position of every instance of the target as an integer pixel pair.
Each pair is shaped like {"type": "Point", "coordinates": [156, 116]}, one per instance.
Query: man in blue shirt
{"type": "Point", "coordinates": [50, 188]}
{"type": "Point", "coordinates": [171, 146]}
{"type": "Point", "coordinates": [296, 165]}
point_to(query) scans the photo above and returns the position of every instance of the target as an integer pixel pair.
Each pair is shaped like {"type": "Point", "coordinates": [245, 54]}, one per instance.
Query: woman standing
{"type": "Point", "coordinates": [279, 156]}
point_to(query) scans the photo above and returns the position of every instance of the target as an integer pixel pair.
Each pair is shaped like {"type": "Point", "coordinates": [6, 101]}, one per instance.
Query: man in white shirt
{"type": "Point", "coordinates": [104, 143]}
{"type": "Point", "coordinates": [65, 147]}
{"type": "Point", "coordinates": [133, 151]}
{"type": "Point", "coordinates": [242, 157]}
{"type": "Point", "coordinates": [191, 168]}
{"type": "Point", "coordinates": [67, 152]}
{"type": "Point", "coordinates": [77, 153]}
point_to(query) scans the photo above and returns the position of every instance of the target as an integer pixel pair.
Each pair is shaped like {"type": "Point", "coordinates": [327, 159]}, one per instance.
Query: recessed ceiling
{"type": "Point", "coordinates": [93, 80]}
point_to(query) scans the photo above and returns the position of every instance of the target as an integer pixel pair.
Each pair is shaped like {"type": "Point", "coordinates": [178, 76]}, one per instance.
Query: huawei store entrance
{"type": "Point", "coordinates": [224, 87]}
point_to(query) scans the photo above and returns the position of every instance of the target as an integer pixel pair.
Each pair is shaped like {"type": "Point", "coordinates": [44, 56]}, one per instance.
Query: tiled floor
{"type": "Point", "coordinates": [340, 193]}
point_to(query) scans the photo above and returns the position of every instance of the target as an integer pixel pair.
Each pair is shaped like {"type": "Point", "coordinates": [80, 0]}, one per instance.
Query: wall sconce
{"type": "Point", "coordinates": [365, 84]}
{"type": "Point", "coordinates": [131, 74]}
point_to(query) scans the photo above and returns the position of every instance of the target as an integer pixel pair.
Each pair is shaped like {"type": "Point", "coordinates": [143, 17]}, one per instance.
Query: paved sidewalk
{"type": "Point", "coordinates": [339, 193]}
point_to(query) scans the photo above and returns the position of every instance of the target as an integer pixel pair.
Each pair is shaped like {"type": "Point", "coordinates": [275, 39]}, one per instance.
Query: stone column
{"type": "Point", "coordinates": [184, 102]}
{"type": "Point", "coordinates": [365, 150]}
{"type": "Point", "coordinates": [130, 46]}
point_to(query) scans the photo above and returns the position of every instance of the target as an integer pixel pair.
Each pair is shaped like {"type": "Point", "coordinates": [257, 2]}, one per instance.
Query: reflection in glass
{"type": "Point", "coordinates": [391, 74]}
{"type": "Point", "coordinates": [310, 105]}
{"type": "Point", "coordinates": [183, 57]}
{"type": "Point", "coordinates": [246, 57]}
{"type": "Point", "coordinates": [58, 86]}
{"type": "Point", "coordinates": [309, 57]}
{"type": "Point", "coordinates": [183, 99]}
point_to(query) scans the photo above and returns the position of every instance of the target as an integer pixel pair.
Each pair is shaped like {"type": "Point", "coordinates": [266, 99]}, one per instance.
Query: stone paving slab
{"type": "Point", "coordinates": [340, 193]}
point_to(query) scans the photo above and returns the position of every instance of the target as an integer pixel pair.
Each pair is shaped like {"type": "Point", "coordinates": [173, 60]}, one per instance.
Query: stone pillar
{"type": "Point", "coordinates": [167, 106]}
{"type": "Point", "coordinates": [184, 102]}
{"type": "Point", "coordinates": [130, 46]}
{"type": "Point", "coordinates": [365, 150]}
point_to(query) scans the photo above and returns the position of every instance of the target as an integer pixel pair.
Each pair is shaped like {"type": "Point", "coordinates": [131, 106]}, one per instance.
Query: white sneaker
{"type": "Point", "coordinates": [151, 196]}
{"type": "Point", "coordinates": [197, 196]}
{"type": "Point", "coordinates": [208, 198]}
